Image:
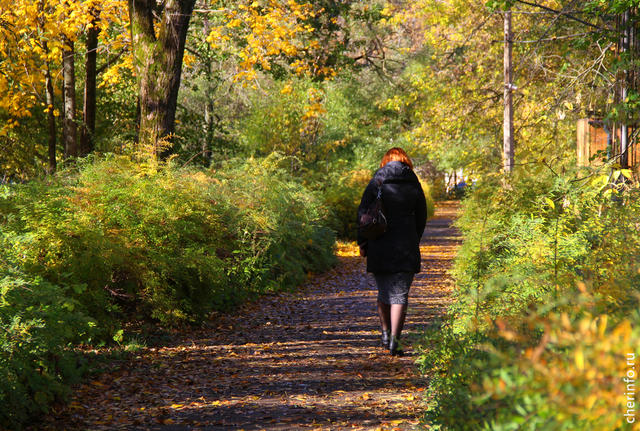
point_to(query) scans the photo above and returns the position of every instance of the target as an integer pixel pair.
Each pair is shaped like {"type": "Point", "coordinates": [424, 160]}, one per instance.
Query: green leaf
{"type": "Point", "coordinates": [627, 173]}
{"type": "Point", "coordinates": [119, 336]}
{"type": "Point", "coordinates": [79, 288]}
{"type": "Point", "coordinates": [550, 203]}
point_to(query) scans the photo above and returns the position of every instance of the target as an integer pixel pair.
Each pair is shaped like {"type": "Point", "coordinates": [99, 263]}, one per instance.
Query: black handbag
{"type": "Point", "coordinates": [373, 223]}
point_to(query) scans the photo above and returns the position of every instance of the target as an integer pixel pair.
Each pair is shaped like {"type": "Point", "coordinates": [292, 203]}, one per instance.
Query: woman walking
{"type": "Point", "coordinates": [394, 257]}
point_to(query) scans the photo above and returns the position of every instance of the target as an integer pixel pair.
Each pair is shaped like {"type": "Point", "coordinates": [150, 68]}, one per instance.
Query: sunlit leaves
{"type": "Point", "coordinates": [290, 119]}
{"type": "Point", "coordinates": [32, 39]}
{"type": "Point", "coordinates": [456, 85]}
{"type": "Point", "coordinates": [575, 375]}
{"type": "Point", "coordinates": [546, 304]}
{"type": "Point", "coordinates": [270, 29]}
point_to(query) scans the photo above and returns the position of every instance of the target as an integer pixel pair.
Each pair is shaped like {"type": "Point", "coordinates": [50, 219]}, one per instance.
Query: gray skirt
{"type": "Point", "coordinates": [393, 287]}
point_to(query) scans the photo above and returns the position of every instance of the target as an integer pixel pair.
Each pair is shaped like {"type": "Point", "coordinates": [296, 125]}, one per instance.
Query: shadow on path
{"type": "Point", "coordinates": [308, 359]}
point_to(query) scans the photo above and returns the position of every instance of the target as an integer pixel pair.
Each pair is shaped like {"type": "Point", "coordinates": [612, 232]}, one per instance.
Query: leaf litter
{"type": "Point", "coordinates": [308, 359]}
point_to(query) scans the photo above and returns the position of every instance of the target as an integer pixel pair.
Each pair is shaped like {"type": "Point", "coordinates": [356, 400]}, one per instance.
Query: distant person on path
{"type": "Point", "coordinates": [460, 189]}
{"type": "Point", "coordinates": [394, 257]}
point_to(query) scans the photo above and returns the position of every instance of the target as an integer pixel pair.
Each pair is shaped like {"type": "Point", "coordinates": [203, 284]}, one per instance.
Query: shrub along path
{"type": "Point", "coordinates": [308, 359]}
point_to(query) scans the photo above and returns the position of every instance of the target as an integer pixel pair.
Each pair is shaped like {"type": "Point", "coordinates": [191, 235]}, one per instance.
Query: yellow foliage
{"type": "Point", "coordinates": [287, 89]}
{"type": "Point", "coordinates": [270, 29]}
{"type": "Point", "coordinates": [456, 94]}
{"type": "Point", "coordinates": [591, 387]}
{"type": "Point", "coordinates": [32, 39]}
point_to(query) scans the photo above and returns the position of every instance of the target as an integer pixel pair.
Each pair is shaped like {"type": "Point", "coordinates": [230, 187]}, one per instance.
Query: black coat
{"type": "Point", "coordinates": [398, 249]}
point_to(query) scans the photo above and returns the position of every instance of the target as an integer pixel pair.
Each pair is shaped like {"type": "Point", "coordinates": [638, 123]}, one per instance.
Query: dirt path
{"type": "Point", "coordinates": [285, 362]}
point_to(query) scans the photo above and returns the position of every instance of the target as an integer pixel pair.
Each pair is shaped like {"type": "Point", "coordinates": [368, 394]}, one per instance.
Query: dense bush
{"type": "Point", "coordinates": [280, 227]}
{"type": "Point", "coordinates": [142, 241]}
{"type": "Point", "coordinates": [570, 377]}
{"type": "Point", "coordinates": [573, 379]}
{"type": "Point", "coordinates": [540, 239]}
{"type": "Point", "coordinates": [547, 280]}
{"type": "Point", "coordinates": [164, 242]}
{"type": "Point", "coordinates": [39, 325]}
{"type": "Point", "coordinates": [119, 240]}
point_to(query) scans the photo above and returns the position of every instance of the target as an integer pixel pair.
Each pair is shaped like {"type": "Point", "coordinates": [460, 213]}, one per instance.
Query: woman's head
{"type": "Point", "coordinates": [396, 154]}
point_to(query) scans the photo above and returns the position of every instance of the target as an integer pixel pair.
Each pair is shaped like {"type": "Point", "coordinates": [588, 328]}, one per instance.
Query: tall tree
{"type": "Point", "coordinates": [252, 44]}
{"type": "Point", "coordinates": [456, 87]}
{"type": "Point", "coordinates": [605, 33]}
{"type": "Point", "coordinates": [158, 56]}
{"type": "Point", "coordinates": [89, 100]}
{"type": "Point", "coordinates": [51, 119]}
{"type": "Point", "coordinates": [508, 152]}
{"type": "Point", "coordinates": [69, 78]}
{"type": "Point", "coordinates": [36, 38]}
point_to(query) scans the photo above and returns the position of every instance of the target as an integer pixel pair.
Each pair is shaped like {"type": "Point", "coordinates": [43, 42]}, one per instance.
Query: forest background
{"type": "Point", "coordinates": [160, 161]}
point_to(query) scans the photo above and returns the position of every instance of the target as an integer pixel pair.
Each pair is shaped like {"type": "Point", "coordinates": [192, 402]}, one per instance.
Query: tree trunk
{"type": "Point", "coordinates": [624, 128]}
{"type": "Point", "coordinates": [508, 144]}
{"type": "Point", "coordinates": [207, 145]}
{"type": "Point", "coordinates": [51, 121]}
{"type": "Point", "coordinates": [89, 102]}
{"type": "Point", "coordinates": [158, 60]}
{"type": "Point", "coordinates": [49, 98]}
{"type": "Point", "coordinates": [70, 126]}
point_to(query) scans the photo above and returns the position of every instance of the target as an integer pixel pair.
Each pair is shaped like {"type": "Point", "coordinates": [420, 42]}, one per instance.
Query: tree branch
{"type": "Point", "coordinates": [548, 38]}
{"type": "Point", "coordinates": [560, 13]}
{"type": "Point", "coordinates": [111, 60]}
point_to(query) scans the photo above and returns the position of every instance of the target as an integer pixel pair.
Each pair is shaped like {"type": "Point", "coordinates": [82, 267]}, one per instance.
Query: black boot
{"type": "Point", "coordinates": [386, 338]}
{"type": "Point", "coordinates": [394, 346]}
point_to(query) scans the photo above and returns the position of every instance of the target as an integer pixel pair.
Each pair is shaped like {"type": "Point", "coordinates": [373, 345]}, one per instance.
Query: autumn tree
{"type": "Point", "coordinates": [456, 82]}
{"type": "Point", "coordinates": [37, 41]}
{"type": "Point", "coordinates": [277, 56]}
{"type": "Point", "coordinates": [600, 48]}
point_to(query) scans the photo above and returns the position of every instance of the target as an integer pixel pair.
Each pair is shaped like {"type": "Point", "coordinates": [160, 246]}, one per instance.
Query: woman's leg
{"type": "Point", "coordinates": [384, 311]}
{"type": "Point", "coordinates": [398, 313]}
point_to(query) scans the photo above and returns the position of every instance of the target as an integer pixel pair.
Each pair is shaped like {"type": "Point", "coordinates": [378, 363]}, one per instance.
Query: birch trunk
{"type": "Point", "coordinates": [70, 125]}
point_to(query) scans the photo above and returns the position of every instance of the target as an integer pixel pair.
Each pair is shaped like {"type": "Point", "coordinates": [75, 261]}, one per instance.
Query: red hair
{"type": "Point", "coordinates": [396, 154]}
